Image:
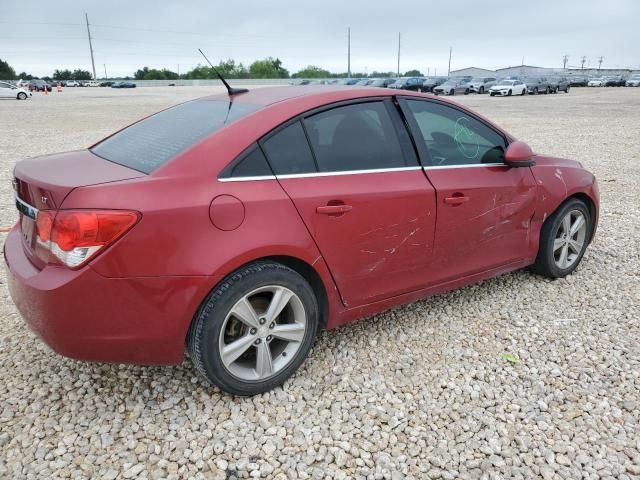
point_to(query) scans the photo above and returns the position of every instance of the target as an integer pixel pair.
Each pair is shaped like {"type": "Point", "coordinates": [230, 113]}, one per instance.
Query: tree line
{"type": "Point", "coordinates": [267, 68]}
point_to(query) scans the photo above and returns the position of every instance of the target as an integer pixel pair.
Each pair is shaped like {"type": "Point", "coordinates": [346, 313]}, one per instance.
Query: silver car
{"type": "Point", "coordinates": [481, 84]}
{"type": "Point", "coordinates": [453, 86]}
{"type": "Point", "coordinates": [633, 80]}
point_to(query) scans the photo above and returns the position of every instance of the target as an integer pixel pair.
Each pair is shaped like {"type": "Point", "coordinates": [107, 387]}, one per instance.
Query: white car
{"type": "Point", "coordinates": [506, 88]}
{"type": "Point", "coordinates": [634, 80]}
{"type": "Point", "coordinates": [596, 82]}
{"type": "Point", "coordinates": [11, 91]}
{"type": "Point", "coordinates": [72, 83]}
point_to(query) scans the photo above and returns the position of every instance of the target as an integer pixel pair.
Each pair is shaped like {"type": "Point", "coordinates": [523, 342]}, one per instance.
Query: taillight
{"type": "Point", "coordinates": [76, 236]}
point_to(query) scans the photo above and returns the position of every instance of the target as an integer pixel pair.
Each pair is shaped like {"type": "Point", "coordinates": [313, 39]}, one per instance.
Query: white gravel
{"type": "Point", "coordinates": [422, 391]}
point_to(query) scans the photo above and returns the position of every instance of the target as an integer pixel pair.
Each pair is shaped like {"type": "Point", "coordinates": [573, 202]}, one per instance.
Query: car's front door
{"type": "Point", "coordinates": [356, 182]}
{"type": "Point", "coordinates": [484, 207]}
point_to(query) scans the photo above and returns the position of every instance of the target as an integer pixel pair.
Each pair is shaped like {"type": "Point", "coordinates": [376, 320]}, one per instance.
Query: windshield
{"type": "Point", "coordinates": [146, 145]}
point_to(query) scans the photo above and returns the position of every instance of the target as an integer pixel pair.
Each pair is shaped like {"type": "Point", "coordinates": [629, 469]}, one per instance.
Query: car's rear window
{"type": "Point", "coordinates": [146, 145]}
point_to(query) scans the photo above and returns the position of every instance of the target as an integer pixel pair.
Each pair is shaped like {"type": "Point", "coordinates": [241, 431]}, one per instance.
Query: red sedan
{"type": "Point", "coordinates": [241, 225]}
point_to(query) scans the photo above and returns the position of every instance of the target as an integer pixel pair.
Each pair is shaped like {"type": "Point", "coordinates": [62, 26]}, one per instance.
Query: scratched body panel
{"type": "Point", "coordinates": [383, 245]}
{"type": "Point", "coordinates": [491, 228]}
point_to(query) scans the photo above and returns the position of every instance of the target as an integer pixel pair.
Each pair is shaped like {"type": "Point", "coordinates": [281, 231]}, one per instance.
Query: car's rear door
{"type": "Point", "coordinates": [354, 177]}
{"type": "Point", "coordinates": [484, 207]}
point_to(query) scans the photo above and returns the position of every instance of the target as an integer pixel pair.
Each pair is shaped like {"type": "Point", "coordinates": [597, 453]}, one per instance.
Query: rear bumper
{"type": "Point", "coordinates": [84, 315]}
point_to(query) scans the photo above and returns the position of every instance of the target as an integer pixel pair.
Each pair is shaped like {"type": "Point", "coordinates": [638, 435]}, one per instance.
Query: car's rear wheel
{"type": "Point", "coordinates": [535, 91]}
{"type": "Point", "coordinates": [563, 239]}
{"type": "Point", "coordinates": [524, 90]}
{"type": "Point", "coordinates": [452, 92]}
{"type": "Point", "coordinates": [466, 92]}
{"type": "Point", "coordinates": [22, 96]}
{"type": "Point", "coordinates": [566, 90]}
{"type": "Point", "coordinates": [481, 90]}
{"type": "Point", "coordinates": [255, 329]}
{"type": "Point", "coordinates": [510, 92]}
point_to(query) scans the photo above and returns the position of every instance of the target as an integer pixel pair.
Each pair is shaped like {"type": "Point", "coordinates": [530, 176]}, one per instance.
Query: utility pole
{"type": "Point", "coordinates": [105, 71]}
{"type": "Point", "coordinates": [449, 69]}
{"type": "Point", "coordinates": [93, 65]}
{"type": "Point", "coordinates": [584, 59]}
{"type": "Point", "coordinates": [565, 59]}
{"type": "Point", "coordinates": [600, 63]}
{"type": "Point", "coordinates": [349, 52]}
{"type": "Point", "coordinates": [398, 54]}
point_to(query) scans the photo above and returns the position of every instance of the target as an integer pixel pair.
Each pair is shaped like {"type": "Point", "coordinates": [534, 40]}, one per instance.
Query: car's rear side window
{"type": "Point", "coordinates": [146, 145]}
{"type": "Point", "coordinates": [288, 151]}
{"type": "Point", "coordinates": [356, 137]}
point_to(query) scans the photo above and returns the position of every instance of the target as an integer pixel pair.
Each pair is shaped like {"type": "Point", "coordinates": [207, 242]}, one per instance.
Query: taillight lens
{"type": "Point", "coordinates": [74, 237]}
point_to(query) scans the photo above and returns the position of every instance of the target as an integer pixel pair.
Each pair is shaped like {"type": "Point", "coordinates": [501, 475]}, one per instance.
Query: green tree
{"type": "Point", "coordinates": [79, 74]}
{"type": "Point", "coordinates": [6, 71]}
{"type": "Point", "coordinates": [413, 73]}
{"type": "Point", "coordinates": [26, 76]}
{"type": "Point", "coordinates": [169, 75]}
{"type": "Point", "coordinates": [62, 74]}
{"type": "Point", "coordinates": [312, 72]}
{"type": "Point", "coordinates": [268, 68]}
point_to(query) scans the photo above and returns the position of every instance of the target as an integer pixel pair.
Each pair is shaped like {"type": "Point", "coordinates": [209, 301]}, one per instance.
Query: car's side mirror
{"type": "Point", "coordinates": [519, 154]}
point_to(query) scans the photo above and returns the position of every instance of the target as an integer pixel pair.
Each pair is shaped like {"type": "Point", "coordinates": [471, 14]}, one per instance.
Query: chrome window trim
{"type": "Point", "coordinates": [347, 172]}
{"type": "Point", "coordinates": [470, 165]}
{"type": "Point", "coordinates": [319, 174]}
{"type": "Point", "coordinates": [247, 179]}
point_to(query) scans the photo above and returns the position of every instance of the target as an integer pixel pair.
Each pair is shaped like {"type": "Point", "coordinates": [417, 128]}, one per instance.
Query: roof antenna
{"type": "Point", "coordinates": [230, 90]}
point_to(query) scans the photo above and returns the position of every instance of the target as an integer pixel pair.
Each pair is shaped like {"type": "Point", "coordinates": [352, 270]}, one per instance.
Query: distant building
{"type": "Point", "coordinates": [600, 71]}
{"type": "Point", "coordinates": [524, 71]}
{"type": "Point", "coordinates": [472, 72]}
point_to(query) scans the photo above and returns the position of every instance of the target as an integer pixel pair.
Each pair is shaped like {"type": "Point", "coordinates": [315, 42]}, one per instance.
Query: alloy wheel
{"type": "Point", "coordinates": [262, 333]}
{"type": "Point", "coordinates": [569, 239]}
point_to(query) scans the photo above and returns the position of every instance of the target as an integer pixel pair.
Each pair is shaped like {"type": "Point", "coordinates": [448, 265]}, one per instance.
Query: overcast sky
{"type": "Point", "coordinates": [39, 36]}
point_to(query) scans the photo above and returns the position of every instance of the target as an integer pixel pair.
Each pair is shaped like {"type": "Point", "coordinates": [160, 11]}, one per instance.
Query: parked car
{"type": "Point", "coordinates": [597, 82]}
{"type": "Point", "coordinates": [124, 84]}
{"type": "Point", "coordinates": [506, 88]}
{"type": "Point", "coordinates": [107, 83]}
{"type": "Point", "coordinates": [536, 85]}
{"type": "Point", "coordinates": [614, 81]}
{"type": "Point", "coordinates": [73, 83]}
{"type": "Point", "coordinates": [452, 86]}
{"type": "Point", "coordinates": [578, 80]}
{"type": "Point", "coordinates": [350, 81]}
{"type": "Point", "coordinates": [429, 83]}
{"type": "Point", "coordinates": [275, 243]}
{"type": "Point", "coordinates": [8, 90]}
{"type": "Point", "coordinates": [481, 84]}
{"type": "Point", "coordinates": [633, 80]}
{"type": "Point", "coordinates": [381, 82]}
{"type": "Point", "coordinates": [559, 84]}
{"type": "Point", "coordinates": [39, 86]}
{"type": "Point", "coordinates": [91, 83]}
{"type": "Point", "coordinates": [413, 84]}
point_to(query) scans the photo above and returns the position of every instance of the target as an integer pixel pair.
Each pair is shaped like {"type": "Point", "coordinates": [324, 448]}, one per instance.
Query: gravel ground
{"type": "Point", "coordinates": [421, 391]}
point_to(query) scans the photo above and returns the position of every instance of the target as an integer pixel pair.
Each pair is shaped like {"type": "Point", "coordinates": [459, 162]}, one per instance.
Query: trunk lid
{"type": "Point", "coordinates": [43, 183]}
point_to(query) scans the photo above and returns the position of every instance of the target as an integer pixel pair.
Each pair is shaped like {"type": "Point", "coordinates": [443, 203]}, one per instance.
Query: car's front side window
{"type": "Point", "coordinates": [454, 138]}
{"type": "Point", "coordinates": [355, 137]}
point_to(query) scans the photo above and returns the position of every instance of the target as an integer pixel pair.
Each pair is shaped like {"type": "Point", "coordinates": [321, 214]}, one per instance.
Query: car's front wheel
{"type": "Point", "coordinates": [255, 329]}
{"type": "Point", "coordinates": [22, 96]}
{"type": "Point", "coordinates": [563, 239]}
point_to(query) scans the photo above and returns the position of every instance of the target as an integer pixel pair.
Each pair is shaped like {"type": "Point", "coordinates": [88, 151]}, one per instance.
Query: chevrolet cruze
{"type": "Point", "coordinates": [236, 227]}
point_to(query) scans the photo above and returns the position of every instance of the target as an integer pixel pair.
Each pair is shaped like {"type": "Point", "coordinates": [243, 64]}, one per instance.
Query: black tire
{"type": "Point", "coordinates": [491, 94]}
{"type": "Point", "coordinates": [452, 92]}
{"type": "Point", "coordinates": [535, 91]}
{"type": "Point", "coordinates": [547, 91]}
{"type": "Point", "coordinates": [510, 92]}
{"type": "Point", "coordinates": [566, 90]}
{"type": "Point", "coordinates": [545, 264]}
{"type": "Point", "coordinates": [524, 91]}
{"type": "Point", "coordinates": [22, 96]}
{"type": "Point", "coordinates": [481, 91]}
{"type": "Point", "coordinates": [466, 92]}
{"type": "Point", "coordinates": [204, 333]}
